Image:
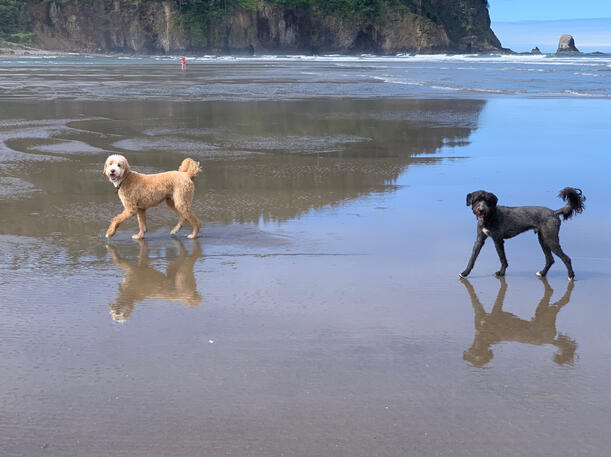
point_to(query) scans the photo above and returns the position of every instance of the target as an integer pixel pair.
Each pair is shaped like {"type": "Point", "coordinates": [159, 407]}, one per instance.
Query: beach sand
{"type": "Point", "coordinates": [320, 312]}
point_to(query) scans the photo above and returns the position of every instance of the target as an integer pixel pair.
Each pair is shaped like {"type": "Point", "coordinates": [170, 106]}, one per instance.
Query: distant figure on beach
{"type": "Point", "coordinates": [183, 64]}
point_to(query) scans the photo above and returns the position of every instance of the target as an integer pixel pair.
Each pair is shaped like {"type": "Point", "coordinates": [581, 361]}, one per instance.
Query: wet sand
{"type": "Point", "coordinates": [320, 312]}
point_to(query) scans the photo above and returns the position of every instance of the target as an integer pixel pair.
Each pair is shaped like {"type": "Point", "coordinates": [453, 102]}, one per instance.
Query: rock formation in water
{"type": "Point", "coordinates": [533, 52]}
{"type": "Point", "coordinates": [566, 45]}
{"type": "Point", "coordinates": [270, 26]}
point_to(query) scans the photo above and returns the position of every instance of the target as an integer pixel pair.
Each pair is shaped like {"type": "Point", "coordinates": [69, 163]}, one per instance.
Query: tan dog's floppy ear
{"type": "Point", "coordinates": [468, 199]}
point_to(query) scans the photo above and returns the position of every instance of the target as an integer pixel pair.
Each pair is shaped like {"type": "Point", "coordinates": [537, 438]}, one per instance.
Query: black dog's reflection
{"type": "Point", "coordinates": [142, 281]}
{"type": "Point", "coordinates": [498, 326]}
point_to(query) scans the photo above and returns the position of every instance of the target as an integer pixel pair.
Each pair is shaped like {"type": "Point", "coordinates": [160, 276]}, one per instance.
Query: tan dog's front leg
{"type": "Point", "coordinates": [141, 214]}
{"type": "Point", "coordinates": [117, 220]}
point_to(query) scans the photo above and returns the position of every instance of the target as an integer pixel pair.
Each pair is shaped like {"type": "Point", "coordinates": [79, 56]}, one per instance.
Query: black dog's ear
{"type": "Point", "coordinates": [492, 198]}
{"type": "Point", "coordinates": [469, 199]}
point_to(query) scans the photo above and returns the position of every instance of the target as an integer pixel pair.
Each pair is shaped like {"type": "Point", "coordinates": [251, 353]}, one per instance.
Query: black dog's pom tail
{"type": "Point", "coordinates": [575, 202]}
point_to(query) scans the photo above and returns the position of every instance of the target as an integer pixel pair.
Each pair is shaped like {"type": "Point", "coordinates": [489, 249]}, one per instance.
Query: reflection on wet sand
{"type": "Point", "coordinates": [499, 326]}
{"type": "Point", "coordinates": [264, 160]}
{"type": "Point", "coordinates": [141, 281]}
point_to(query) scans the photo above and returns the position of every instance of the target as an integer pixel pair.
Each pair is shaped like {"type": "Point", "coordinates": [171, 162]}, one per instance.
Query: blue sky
{"type": "Point", "coordinates": [523, 24]}
{"type": "Point", "coordinates": [543, 10]}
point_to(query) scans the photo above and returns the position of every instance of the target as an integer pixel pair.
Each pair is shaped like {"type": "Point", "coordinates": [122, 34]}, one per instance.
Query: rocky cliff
{"type": "Point", "coordinates": [107, 26]}
{"type": "Point", "coordinates": [160, 26]}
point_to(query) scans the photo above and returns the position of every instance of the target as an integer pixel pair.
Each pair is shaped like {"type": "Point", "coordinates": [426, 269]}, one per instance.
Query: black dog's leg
{"type": "Point", "coordinates": [479, 243]}
{"type": "Point", "coordinates": [551, 239]}
{"type": "Point", "coordinates": [500, 249]}
{"type": "Point", "coordinates": [556, 249]}
{"type": "Point", "coordinates": [549, 258]}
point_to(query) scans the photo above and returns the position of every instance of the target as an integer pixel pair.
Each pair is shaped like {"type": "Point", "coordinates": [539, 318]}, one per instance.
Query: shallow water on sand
{"type": "Point", "coordinates": [320, 312]}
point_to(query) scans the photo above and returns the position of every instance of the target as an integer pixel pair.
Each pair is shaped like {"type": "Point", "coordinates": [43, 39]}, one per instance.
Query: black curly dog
{"type": "Point", "coordinates": [503, 222]}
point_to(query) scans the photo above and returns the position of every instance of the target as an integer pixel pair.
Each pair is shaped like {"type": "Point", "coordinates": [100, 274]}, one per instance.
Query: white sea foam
{"type": "Point", "coordinates": [580, 93]}
{"type": "Point", "coordinates": [587, 74]}
{"type": "Point", "coordinates": [391, 80]}
{"type": "Point", "coordinates": [476, 60]}
{"type": "Point", "coordinates": [445, 88]}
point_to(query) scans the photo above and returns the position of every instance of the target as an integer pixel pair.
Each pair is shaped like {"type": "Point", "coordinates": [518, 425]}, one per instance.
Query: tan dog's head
{"type": "Point", "coordinates": [121, 312]}
{"type": "Point", "coordinates": [116, 168]}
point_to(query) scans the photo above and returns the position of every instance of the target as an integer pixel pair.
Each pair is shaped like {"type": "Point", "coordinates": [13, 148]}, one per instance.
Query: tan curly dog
{"type": "Point", "coordinates": [139, 192]}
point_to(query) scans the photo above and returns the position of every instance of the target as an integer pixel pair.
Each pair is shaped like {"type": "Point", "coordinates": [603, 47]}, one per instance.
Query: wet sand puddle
{"type": "Point", "coordinates": [320, 311]}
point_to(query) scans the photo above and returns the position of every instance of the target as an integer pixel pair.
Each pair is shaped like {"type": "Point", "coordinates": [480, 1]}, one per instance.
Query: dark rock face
{"type": "Point", "coordinates": [134, 26]}
{"type": "Point", "coordinates": [107, 26]}
{"type": "Point", "coordinates": [566, 45]}
{"type": "Point", "coordinates": [279, 30]}
{"type": "Point", "coordinates": [535, 50]}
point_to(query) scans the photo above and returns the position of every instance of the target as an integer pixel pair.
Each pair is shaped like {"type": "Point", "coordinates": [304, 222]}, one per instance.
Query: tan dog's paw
{"type": "Point", "coordinates": [138, 236]}
{"type": "Point", "coordinates": [110, 233]}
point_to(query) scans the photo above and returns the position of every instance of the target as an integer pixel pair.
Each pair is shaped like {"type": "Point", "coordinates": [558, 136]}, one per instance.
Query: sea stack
{"type": "Point", "coordinates": [566, 45]}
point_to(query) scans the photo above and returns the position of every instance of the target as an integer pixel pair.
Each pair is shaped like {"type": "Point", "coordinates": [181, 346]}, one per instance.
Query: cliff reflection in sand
{"type": "Point", "coordinates": [499, 326]}
{"type": "Point", "coordinates": [141, 281]}
{"type": "Point", "coordinates": [271, 161]}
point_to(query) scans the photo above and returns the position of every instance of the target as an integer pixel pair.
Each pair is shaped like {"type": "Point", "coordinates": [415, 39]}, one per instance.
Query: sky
{"type": "Point", "coordinates": [523, 24]}
{"type": "Point", "coordinates": [544, 10]}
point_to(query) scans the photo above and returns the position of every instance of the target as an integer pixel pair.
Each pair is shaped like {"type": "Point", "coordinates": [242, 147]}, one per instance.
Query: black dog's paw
{"type": "Point", "coordinates": [499, 273]}
{"type": "Point", "coordinates": [463, 275]}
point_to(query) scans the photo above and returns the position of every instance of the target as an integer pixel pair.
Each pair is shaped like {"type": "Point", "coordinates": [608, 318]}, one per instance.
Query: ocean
{"type": "Point", "coordinates": [295, 77]}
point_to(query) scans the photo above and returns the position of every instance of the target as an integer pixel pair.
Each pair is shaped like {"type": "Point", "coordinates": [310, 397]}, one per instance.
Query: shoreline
{"type": "Point", "coordinates": [18, 50]}
{"type": "Point", "coordinates": [8, 49]}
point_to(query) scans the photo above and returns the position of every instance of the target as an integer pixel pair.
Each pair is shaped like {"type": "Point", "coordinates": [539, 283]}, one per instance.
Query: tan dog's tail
{"type": "Point", "coordinates": [190, 167]}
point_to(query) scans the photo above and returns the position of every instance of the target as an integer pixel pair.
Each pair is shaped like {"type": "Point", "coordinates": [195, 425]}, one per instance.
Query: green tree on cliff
{"type": "Point", "coordinates": [14, 24]}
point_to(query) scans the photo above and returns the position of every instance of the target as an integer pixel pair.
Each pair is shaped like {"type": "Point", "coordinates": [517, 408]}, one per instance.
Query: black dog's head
{"type": "Point", "coordinates": [482, 203]}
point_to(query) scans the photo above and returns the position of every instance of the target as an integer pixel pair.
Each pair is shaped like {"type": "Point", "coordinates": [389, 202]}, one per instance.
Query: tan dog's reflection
{"type": "Point", "coordinates": [142, 281]}
{"type": "Point", "coordinates": [498, 326]}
